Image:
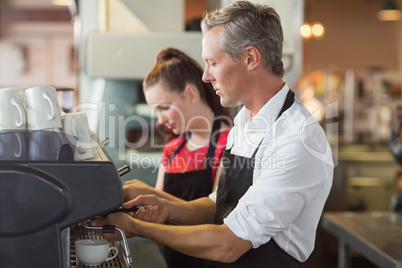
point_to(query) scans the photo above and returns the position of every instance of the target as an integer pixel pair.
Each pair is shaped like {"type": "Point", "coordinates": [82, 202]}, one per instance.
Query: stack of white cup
{"type": "Point", "coordinates": [44, 123]}
{"type": "Point", "coordinates": [13, 136]}
{"type": "Point", "coordinates": [12, 109]}
{"type": "Point", "coordinates": [36, 112]}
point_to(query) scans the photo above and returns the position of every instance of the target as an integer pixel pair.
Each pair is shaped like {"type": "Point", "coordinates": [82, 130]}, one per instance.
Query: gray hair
{"type": "Point", "coordinates": [246, 24]}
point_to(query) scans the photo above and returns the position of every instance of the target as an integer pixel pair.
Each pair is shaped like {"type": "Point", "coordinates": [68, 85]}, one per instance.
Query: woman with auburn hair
{"type": "Point", "coordinates": [196, 126]}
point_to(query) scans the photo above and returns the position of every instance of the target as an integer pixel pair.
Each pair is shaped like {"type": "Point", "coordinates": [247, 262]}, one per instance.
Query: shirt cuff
{"type": "Point", "coordinates": [246, 227]}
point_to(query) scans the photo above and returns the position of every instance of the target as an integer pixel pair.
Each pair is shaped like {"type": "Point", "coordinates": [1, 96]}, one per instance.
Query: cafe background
{"type": "Point", "coordinates": [352, 74]}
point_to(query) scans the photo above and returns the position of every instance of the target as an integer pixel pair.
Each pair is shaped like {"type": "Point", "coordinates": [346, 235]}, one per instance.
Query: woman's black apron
{"type": "Point", "coordinates": [236, 178]}
{"type": "Point", "coordinates": [190, 185]}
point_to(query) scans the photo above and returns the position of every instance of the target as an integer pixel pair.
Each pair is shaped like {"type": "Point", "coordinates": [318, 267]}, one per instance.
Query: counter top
{"type": "Point", "coordinates": [376, 235]}
{"type": "Point", "coordinates": [375, 157]}
{"type": "Point", "coordinates": [365, 153]}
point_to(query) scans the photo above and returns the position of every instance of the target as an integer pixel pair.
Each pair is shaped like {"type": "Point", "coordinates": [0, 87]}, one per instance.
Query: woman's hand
{"type": "Point", "coordinates": [134, 188]}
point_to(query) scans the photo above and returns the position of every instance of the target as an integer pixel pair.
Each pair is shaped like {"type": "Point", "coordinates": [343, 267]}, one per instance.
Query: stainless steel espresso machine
{"type": "Point", "coordinates": [44, 201]}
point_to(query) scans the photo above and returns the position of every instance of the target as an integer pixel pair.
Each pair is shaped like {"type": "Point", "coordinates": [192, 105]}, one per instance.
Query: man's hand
{"type": "Point", "coordinates": [121, 220]}
{"type": "Point", "coordinates": [155, 212]}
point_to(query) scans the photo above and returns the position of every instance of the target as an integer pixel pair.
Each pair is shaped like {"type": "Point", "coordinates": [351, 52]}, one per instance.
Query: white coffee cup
{"type": "Point", "coordinates": [14, 145]}
{"type": "Point", "coordinates": [76, 125]}
{"type": "Point", "coordinates": [92, 252]}
{"type": "Point", "coordinates": [43, 109]}
{"type": "Point", "coordinates": [12, 109]}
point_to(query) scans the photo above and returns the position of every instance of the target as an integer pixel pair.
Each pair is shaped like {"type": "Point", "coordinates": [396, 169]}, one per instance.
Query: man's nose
{"type": "Point", "coordinates": [206, 76]}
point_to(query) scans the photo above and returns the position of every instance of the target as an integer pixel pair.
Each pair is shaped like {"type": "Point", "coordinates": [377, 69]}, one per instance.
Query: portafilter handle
{"type": "Point", "coordinates": [112, 229]}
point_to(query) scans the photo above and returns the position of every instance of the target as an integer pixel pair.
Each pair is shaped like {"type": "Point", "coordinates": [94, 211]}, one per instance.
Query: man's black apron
{"type": "Point", "coordinates": [236, 178]}
{"type": "Point", "coordinates": [190, 185]}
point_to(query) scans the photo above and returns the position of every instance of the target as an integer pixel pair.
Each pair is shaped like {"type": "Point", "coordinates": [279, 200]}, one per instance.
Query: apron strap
{"type": "Point", "coordinates": [256, 149]}
{"type": "Point", "coordinates": [186, 135]}
{"type": "Point", "coordinates": [290, 99]}
{"type": "Point", "coordinates": [212, 143]}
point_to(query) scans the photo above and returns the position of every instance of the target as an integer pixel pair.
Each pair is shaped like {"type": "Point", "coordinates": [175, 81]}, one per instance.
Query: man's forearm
{"type": "Point", "coordinates": [208, 241]}
{"type": "Point", "coordinates": [215, 242]}
{"type": "Point", "coordinates": [199, 211]}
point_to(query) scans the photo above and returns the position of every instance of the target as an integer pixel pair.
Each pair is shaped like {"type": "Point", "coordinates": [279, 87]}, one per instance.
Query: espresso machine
{"type": "Point", "coordinates": [44, 202]}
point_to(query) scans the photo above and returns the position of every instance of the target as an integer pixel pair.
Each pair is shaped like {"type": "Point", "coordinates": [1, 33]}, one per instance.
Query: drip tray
{"type": "Point", "coordinates": [78, 232]}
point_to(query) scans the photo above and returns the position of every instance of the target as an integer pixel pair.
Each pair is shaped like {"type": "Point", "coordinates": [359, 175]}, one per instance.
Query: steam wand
{"type": "Point", "coordinates": [112, 229]}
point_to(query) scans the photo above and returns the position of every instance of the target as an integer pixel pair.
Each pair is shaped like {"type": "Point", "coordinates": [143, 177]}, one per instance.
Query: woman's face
{"type": "Point", "coordinates": [171, 107]}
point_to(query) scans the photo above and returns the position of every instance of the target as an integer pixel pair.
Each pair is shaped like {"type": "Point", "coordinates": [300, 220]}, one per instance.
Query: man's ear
{"type": "Point", "coordinates": [191, 93]}
{"type": "Point", "coordinates": [252, 57]}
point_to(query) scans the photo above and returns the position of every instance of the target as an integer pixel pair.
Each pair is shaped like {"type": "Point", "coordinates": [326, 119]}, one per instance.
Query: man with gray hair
{"type": "Point", "coordinates": [277, 169]}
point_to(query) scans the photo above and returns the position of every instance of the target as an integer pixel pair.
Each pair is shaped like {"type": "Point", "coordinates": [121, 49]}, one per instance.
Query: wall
{"type": "Point", "coordinates": [354, 37]}
{"type": "Point", "coordinates": [36, 45]}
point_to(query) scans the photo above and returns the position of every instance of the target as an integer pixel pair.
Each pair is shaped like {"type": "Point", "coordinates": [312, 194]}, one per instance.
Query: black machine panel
{"type": "Point", "coordinates": [40, 199]}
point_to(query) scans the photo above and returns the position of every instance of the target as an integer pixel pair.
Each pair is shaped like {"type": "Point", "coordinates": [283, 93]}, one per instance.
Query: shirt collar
{"type": "Point", "coordinates": [266, 116]}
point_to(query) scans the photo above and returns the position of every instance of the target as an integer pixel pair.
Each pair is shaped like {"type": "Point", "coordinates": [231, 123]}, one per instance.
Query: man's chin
{"type": "Point", "coordinates": [228, 104]}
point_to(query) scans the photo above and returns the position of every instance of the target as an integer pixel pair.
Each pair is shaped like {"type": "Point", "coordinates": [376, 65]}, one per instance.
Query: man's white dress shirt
{"type": "Point", "coordinates": [292, 177]}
